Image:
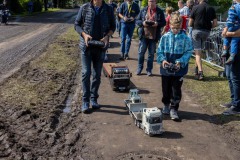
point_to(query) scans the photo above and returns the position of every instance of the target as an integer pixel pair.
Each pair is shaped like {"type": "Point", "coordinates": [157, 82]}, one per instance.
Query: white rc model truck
{"type": "Point", "coordinates": [148, 119]}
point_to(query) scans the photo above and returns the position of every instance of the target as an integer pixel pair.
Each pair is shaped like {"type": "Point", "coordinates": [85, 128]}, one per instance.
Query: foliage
{"type": "Point", "coordinates": [144, 3]}
{"type": "Point", "coordinates": [15, 6]}
{"type": "Point", "coordinates": [37, 6]}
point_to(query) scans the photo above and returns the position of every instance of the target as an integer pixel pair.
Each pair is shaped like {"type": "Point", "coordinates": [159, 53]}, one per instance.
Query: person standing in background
{"type": "Point", "coordinates": [233, 76]}
{"type": "Point", "coordinates": [203, 18]}
{"type": "Point", "coordinates": [233, 24]}
{"type": "Point", "coordinates": [128, 12]}
{"type": "Point", "coordinates": [183, 10]}
{"type": "Point", "coordinates": [168, 11]}
{"type": "Point", "coordinates": [150, 21]}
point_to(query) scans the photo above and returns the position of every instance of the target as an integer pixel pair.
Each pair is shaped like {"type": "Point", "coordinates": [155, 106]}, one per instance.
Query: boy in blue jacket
{"type": "Point", "coordinates": [174, 51]}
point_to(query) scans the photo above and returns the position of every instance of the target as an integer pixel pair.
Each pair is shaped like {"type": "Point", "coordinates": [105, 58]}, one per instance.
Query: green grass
{"type": "Point", "coordinates": [211, 92]}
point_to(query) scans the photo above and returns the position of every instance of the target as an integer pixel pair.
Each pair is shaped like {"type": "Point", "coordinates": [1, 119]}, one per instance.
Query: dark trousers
{"type": "Point", "coordinates": [233, 76]}
{"type": "Point", "coordinates": [92, 61]}
{"type": "Point", "coordinates": [171, 90]}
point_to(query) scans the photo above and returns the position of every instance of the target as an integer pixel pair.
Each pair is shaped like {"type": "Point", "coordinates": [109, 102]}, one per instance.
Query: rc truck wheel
{"type": "Point", "coordinates": [136, 122]}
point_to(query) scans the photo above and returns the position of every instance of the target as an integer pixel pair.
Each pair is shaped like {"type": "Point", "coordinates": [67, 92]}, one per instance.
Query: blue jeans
{"type": "Point", "coordinates": [232, 41]}
{"type": "Point", "coordinates": [233, 76]}
{"type": "Point", "coordinates": [145, 44]}
{"type": "Point", "coordinates": [126, 37]}
{"type": "Point", "coordinates": [94, 56]}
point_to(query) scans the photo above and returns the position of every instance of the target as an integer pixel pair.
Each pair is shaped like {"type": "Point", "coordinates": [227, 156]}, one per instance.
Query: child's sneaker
{"type": "Point", "coordinates": [230, 60]}
{"type": "Point", "coordinates": [166, 109]}
{"type": "Point", "coordinates": [174, 115]}
{"type": "Point", "coordinates": [94, 104]}
{"type": "Point", "coordinates": [85, 107]}
{"type": "Point", "coordinates": [224, 53]}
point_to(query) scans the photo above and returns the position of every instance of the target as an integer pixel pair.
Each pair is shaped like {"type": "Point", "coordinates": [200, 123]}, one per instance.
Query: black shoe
{"type": "Point", "coordinates": [200, 75]}
{"type": "Point", "coordinates": [227, 105]}
{"type": "Point", "coordinates": [126, 57]}
{"type": "Point", "coordinates": [231, 111]}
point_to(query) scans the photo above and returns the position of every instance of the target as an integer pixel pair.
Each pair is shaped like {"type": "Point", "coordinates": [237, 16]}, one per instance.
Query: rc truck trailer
{"type": "Point", "coordinates": [148, 119]}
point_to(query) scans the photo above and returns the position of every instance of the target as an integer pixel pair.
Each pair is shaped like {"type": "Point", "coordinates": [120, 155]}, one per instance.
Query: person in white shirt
{"type": "Point", "coordinates": [183, 10]}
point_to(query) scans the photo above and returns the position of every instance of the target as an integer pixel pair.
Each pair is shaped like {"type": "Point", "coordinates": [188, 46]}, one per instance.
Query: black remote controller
{"type": "Point", "coordinates": [96, 43]}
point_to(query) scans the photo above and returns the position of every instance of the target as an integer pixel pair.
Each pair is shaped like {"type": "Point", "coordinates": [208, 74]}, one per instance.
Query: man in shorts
{"type": "Point", "coordinates": [203, 18]}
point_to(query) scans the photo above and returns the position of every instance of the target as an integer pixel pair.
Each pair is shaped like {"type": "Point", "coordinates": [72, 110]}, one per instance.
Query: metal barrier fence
{"type": "Point", "coordinates": [213, 47]}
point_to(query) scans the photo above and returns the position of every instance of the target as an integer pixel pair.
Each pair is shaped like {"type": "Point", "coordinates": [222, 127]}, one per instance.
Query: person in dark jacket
{"type": "Point", "coordinates": [95, 21]}
{"type": "Point", "coordinates": [128, 12]}
{"type": "Point", "coordinates": [150, 20]}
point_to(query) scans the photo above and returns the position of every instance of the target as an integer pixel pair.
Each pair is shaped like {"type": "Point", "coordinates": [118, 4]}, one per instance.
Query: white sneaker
{"type": "Point", "coordinates": [173, 114]}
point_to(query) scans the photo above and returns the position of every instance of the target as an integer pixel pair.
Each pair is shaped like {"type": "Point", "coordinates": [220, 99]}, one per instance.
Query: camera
{"type": "Point", "coordinates": [150, 23]}
{"type": "Point", "coordinates": [128, 19]}
{"type": "Point", "coordinates": [95, 43]}
{"type": "Point", "coordinates": [171, 68]}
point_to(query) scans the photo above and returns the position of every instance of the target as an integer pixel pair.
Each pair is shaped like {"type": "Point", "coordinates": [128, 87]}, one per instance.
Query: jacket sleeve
{"type": "Point", "coordinates": [112, 20]}
{"type": "Point", "coordinates": [188, 50]}
{"type": "Point", "coordinates": [162, 21]}
{"type": "Point", "coordinates": [139, 20]}
{"type": "Point", "coordinates": [137, 9]}
{"type": "Point", "coordinates": [160, 51]}
{"type": "Point", "coordinates": [79, 21]}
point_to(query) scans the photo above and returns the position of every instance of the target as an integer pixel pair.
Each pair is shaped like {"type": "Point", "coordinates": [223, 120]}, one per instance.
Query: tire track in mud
{"type": "Point", "coordinates": [24, 51]}
{"type": "Point", "coordinates": [32, 41]}
{"type": "Point", "coordinates": [45, 131]}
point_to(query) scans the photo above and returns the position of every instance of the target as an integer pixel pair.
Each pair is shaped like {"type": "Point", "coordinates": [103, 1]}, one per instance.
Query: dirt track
{"type": "Point", "coordinates": [51, 130]}
{"type": "Point", "coordinates": [25, 38]}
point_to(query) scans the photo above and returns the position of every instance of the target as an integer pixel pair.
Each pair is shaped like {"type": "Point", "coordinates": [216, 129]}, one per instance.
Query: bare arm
{"type": "Point", "coordinates": [214, 24]}
{"type": "Point", "coordinates": [190, 23]}
{"type": "Point", "coordinates": [231, 34]}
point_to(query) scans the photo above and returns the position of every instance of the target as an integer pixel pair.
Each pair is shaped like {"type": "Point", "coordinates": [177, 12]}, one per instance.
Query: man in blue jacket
{"type": "Point", "coordinates": [150, 20]}
{"type": "Point", "coordinates": [95, 21]}
{"type": "Point", "coordinates": [128, 12]}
